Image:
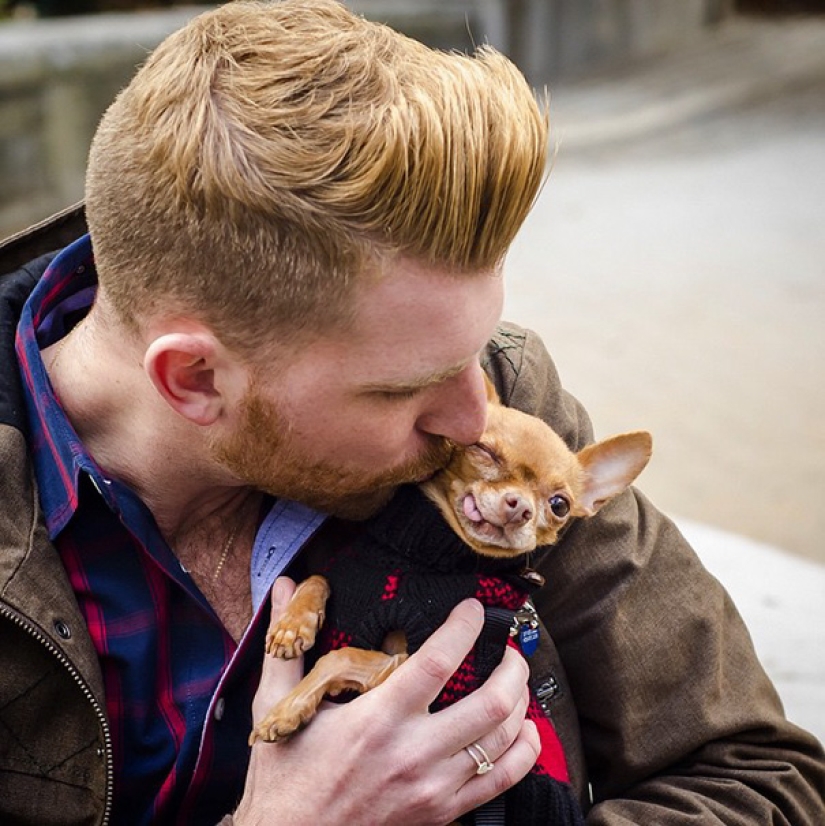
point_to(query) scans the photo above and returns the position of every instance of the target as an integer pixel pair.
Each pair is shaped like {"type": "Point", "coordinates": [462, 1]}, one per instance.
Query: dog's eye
{"type": "Point", "coordinates": [485, 451]}
{"type": "Point", "coordinates": [559, 505]}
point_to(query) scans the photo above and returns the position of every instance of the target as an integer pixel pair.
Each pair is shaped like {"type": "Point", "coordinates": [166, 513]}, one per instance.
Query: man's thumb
{"type": "Point", "coordinates": [278, 676]}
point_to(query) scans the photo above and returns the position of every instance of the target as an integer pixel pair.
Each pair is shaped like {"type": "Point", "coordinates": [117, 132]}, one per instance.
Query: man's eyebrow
{"type": "Point", "coordinates": [418, 383]}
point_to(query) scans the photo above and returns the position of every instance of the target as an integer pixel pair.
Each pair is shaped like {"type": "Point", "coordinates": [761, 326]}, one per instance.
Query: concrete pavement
{"type": "Point", "coordinates": [746, 60]}
{"type": "Point", "coordinates": [675, 265]}
{"type": "Point", "coordinates": [782, 598]}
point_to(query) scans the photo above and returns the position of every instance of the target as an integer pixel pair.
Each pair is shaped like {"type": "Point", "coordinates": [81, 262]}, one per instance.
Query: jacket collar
{"type": "Point", "coordinates": [33, 582]}
{"type": "Point", "coordinates": [15, 289]}
{"type": "Point", "coordinates": [53, 233]}
{"type": "Point", "coordinates": [23, 259]}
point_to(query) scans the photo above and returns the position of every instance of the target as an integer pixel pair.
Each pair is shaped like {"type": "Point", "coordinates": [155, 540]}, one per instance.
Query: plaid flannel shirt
{"type": "Point", "coordinates": [178, 689]}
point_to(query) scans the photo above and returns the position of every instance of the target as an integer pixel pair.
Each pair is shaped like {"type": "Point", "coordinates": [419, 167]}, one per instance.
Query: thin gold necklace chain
{"type": "Point", "coordinates": [227, 547]}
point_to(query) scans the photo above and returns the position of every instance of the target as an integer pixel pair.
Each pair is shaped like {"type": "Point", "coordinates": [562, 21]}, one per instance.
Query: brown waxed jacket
{"type": "Point", "coordinates": [678, 722]}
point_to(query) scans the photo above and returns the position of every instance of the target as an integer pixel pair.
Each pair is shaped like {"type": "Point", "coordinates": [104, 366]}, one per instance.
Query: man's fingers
{"type": "Point", "coordinates": [510, 767]}
{"type": "Point", "coordinates": [419, 682]}
{"type": "Point", "coordinates": [282, 591]}
{"type": "Point", "coordinates": [278, 676]}
{"type": "Point", "coordinates": [496, 710]}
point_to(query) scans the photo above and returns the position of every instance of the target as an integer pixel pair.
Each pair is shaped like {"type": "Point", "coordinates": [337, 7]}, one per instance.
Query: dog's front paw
{"type": "Point", "coordinates": [293, 635]}
{"type": "Point", "coordinates": [282, 722]}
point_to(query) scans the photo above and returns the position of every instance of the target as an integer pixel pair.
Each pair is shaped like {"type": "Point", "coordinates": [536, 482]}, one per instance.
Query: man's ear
{"type": "Point", "coordinates": [611, 466]}
{"type": "Point", "coordinates": [183, 367]}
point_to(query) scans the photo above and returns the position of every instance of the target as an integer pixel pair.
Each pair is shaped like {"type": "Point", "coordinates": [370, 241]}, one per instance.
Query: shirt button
{"type": "Point", "coordinates": [219, 709]}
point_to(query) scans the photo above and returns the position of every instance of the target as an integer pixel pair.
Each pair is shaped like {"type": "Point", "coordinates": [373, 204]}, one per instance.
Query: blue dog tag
{"type": "Point", "coordinates": [528, 639]}
{"type": "Point", "coordinates": [526, 628]}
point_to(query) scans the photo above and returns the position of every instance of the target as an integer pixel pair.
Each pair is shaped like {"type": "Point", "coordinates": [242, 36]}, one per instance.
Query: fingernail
{"type": "Point", "coordinates": [280, 593]}
{"type": "Point", "coordinates": [477, 607]}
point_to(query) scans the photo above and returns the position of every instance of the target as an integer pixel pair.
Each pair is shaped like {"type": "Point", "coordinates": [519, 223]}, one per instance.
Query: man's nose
{"type": "Point", "coordinates": [459, 409]}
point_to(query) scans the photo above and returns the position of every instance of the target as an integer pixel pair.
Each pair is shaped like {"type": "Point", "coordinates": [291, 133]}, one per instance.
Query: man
{"type": "Point", "coordinates": [298, 221]}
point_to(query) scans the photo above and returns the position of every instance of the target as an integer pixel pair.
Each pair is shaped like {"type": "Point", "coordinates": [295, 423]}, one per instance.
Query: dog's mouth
{"type": "Point", "coordinates": [488, 530]}
{"type": "Point", "coordinates": [470, 508]}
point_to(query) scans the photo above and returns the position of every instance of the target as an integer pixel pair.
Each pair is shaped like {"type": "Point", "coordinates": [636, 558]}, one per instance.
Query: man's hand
{"type": "Point", "coordinates": [383, 758]}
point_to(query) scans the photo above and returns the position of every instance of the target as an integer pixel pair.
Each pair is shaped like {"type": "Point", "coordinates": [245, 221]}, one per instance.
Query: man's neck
{"type": "Point", "coordinates": [97, 373]}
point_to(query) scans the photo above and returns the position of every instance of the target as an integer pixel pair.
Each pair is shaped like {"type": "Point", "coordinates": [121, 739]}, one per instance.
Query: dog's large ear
{"type": "Point", "coordinates": [610, 466]}
{"type": "Point", "coordinates": [492, 396]}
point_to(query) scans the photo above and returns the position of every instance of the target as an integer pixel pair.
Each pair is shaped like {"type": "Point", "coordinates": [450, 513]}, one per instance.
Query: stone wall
{"type": "Point", "coordinates": [57, 76]}
{"type": "Point", "coordinates": [552, 39]}
{"type": "Point", "coordinates": [56, 79]}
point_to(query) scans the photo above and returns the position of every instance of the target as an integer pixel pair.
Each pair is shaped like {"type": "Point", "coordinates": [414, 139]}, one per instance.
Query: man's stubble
{"type": "Point", "coordinates": [263, 454]}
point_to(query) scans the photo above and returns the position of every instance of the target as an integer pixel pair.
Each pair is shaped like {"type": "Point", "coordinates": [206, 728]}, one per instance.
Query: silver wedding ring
{"type": "Point", "coordinates": [480, 757]}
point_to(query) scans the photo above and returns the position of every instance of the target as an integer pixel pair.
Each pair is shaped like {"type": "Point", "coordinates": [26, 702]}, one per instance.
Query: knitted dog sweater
{"type": "Point", "coordinates": [407, 570]}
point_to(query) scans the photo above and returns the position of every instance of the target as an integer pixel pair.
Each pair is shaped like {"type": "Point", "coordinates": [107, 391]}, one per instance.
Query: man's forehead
{"type": "Point", "coordinates": [413, 328]}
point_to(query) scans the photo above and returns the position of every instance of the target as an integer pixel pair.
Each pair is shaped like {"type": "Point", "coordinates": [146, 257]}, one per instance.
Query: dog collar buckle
{"type": "Point", "coordinates": [525, 629]}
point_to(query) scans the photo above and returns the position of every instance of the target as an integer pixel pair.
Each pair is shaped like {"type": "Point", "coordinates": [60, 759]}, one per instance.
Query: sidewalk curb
{"type": "Point", "coordinates": [741, 62]}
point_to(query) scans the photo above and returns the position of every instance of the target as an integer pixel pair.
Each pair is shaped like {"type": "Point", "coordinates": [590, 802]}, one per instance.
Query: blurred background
{"type": "Point", "coordinates": [674, 262]}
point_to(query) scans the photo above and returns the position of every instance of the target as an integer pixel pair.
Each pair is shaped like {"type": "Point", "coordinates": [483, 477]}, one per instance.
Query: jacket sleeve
{"type": "Point", "coordinates": [679, 722]}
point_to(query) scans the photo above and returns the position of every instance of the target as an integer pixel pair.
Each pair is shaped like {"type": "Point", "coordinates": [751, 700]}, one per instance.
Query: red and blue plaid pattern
{"type": "Point", "coordinates": [168, 664]}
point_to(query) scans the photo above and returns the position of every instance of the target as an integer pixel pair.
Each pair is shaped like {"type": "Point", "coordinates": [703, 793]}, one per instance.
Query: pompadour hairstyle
{"type": "Point", "coordinates": [270, 154]}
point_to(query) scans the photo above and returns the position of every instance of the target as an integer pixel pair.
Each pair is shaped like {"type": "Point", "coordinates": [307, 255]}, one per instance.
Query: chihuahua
{"type": "Point", "coordinates": [516, 489]}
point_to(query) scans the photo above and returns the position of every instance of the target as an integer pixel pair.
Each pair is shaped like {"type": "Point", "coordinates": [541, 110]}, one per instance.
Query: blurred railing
{"type": "Point", "coordinates": [58, 75]}
{"type": "Point", "coordinates": [56, 78]}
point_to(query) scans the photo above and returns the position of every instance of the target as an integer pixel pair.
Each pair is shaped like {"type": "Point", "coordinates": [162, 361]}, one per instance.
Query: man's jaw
{"type": "Point", "coordinates": [362, 504]}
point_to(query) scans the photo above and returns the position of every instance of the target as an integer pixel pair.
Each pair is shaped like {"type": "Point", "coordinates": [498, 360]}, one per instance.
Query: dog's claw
{"type": "Point", "coordinates": [288, 641]}
{"type": "Point", "coordinates": [281, 723]}
{"type": "Point", "coordinates": [295, 632]}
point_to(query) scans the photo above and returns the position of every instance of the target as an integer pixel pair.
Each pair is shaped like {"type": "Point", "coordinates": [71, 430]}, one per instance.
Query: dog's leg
{"type": "Point", "coordinates": [295, 631]}
{"type": "Point", "coordinates": [344, 669]}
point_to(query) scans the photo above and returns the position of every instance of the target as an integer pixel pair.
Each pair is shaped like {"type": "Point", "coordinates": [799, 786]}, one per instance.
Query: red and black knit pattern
{"type": "Point", "coordinates": [406, 571]}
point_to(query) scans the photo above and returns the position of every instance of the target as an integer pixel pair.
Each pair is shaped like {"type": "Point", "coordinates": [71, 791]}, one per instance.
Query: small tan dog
{"type": "Point", "coordinates": [509, 493]}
